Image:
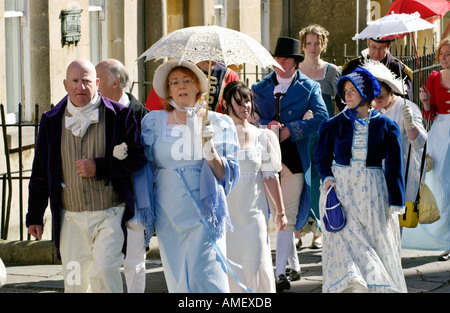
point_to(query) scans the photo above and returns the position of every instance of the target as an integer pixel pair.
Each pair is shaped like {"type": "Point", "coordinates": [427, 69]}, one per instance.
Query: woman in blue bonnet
{"type": "Point", "coordinates": [359, 154]}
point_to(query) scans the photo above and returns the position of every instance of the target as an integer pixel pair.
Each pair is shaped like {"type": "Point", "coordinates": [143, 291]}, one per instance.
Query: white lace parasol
{"type": "Point", "coordinates": [393, 24]}
{"type": "Point", "coordinates": [211, 43]}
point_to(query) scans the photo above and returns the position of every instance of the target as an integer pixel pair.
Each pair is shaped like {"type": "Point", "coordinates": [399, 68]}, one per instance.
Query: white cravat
{"type": "Point", "coordinates": [125, 100]}
{"type": "Point", "coordinates": [283, 84]}
{"type": "Point", "coordinates": [193, 146]}
{"type": "Point", "coordinates": [82, 117]}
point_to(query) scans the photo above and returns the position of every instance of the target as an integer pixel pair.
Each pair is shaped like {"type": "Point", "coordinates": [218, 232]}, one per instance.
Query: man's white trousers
{"type": "Point", "coordinates": [91, 250]}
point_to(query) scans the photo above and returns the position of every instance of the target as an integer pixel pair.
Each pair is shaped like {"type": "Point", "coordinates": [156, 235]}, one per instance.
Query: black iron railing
{"type": "Point", "coordinates": [20, 175]}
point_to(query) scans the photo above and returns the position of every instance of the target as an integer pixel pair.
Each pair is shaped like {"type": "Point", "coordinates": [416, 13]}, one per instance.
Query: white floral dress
{"type": "Point", "coordinates": [366, 253]}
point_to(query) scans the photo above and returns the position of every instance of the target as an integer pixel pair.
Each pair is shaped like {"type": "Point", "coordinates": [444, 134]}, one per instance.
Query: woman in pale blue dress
{"type": "Point", "coordinates": [365, 255]}
{"type": "Point", "coordinates": [191, 181]}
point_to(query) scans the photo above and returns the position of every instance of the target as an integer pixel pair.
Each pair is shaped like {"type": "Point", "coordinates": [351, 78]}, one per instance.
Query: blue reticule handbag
{"type": "Point", "coordinates": [334, 217]}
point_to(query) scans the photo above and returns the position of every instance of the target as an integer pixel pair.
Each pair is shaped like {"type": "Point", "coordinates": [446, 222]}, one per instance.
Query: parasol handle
{"type": "Point", "coordinates": [207, 106]}
{"type": "Point", "coordinates": [213, 22]}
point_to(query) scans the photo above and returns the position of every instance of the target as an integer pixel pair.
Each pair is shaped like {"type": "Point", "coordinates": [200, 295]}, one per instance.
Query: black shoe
{"type": "Point", "coordinates": [294, 275]}
{"type": "Point", "coordinates": [445, 256]}
{"type": "Point", "coordinates": [282, 283]}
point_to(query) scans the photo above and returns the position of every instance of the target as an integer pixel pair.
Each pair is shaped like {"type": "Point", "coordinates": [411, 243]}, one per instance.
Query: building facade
{"type": "Point", "coordinates": [34, 54]}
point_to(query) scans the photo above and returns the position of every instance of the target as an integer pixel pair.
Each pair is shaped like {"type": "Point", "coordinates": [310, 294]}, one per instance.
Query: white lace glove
{"type": "Point", "coordinates": [408, 117]}
{"type": "Point", "coordinates": [120, 151]}
{"type": "Point", "coordinates": [207, 135]}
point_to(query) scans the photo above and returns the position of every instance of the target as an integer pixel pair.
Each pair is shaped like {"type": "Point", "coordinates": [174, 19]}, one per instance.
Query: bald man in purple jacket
{"type": "Point", "coordinates": [87, 149]}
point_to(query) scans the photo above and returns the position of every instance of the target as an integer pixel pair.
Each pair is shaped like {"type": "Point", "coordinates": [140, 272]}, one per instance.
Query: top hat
{"type": "Point", "coordinates": [288, 48]}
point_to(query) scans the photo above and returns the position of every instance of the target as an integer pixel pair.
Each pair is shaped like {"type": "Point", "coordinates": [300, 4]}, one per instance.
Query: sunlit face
{"type": "Point", "coordinates": [81, 84]}
{"type": "Point", "coordinates": [183, 88]}
{"type": "Point", "coordinates": [312, 45]}
{"type": "Point", "coordinates": [444, 56]}
{"type": "Point", "coordinates": [351, 94]}
{"type": "Point", "coordinates": [288, 64]}
{"type": "Point", "coordinates": [377, 50]}
{"type": "Point", "coordinates": [383, 100]}
{"type": "Point", "coordinates": [241, 106]}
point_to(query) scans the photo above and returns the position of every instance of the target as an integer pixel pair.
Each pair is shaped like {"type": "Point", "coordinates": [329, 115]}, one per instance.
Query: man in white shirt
{"type": "Point", "coordinates": [113, 80]}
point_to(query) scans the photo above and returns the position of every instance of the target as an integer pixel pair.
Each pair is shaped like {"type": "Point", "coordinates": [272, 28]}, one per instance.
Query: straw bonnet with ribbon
{"type": "Point", "coordinates": [384, 75]}
{"type": "Point", "coordinates": [367, 85]}
{"type": "Point", "coordinates": [160, 83]}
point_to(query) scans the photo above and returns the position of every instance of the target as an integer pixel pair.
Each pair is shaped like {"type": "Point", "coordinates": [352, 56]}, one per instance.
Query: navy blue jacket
{"type": "Point", "coordinates": [335, 144]}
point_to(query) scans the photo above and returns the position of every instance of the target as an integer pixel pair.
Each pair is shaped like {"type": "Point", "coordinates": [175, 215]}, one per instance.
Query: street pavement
{"type": "Point", "coordinates": [423, 274]}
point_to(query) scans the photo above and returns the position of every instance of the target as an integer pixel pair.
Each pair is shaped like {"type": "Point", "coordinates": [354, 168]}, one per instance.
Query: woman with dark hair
{"type": "Point", "coordinates": [282, 99]}
{"type": "Point", "coordinates": [259, 159]}
{"type": "Point", "coordinates": [365, 255]}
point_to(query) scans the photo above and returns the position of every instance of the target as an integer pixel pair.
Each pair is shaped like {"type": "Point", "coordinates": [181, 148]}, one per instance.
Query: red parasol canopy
{"type": "Point", "coordinates": [430, 10]}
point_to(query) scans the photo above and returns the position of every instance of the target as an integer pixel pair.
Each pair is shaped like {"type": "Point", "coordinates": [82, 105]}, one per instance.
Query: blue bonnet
{"type": "Point", "coordinates": [367, 85]}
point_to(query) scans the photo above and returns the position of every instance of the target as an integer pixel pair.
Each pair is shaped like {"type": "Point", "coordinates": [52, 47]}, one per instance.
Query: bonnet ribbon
{"type": "Point", "coordinates": [353, 117]}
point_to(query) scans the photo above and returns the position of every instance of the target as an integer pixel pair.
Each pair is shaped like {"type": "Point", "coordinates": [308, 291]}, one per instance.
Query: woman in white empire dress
{"type": "Point", "coordinates": [259, 162]}
{"type": "Point", "coordinates": [408, 117]}
{"type": "Point", "coordinates": [435, 98]}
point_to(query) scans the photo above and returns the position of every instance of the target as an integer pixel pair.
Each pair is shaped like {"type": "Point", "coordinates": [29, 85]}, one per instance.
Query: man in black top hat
{"type": "Point", "coordinates": [281, 100]}
{"type": "Point", "coordinates": [378, 50]}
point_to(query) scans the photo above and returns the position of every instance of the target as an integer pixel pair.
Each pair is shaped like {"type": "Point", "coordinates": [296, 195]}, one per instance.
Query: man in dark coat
{"type": "Point", "coordinates": [87, 149]}
{"type": "Point", "coordinates": [378, 50]}
{"type": "Point", "coordinates": [113, 80]}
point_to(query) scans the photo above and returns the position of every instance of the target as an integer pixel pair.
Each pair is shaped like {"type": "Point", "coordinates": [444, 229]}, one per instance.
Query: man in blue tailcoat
{"type": "Point", "coordinates": [282, 99]}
